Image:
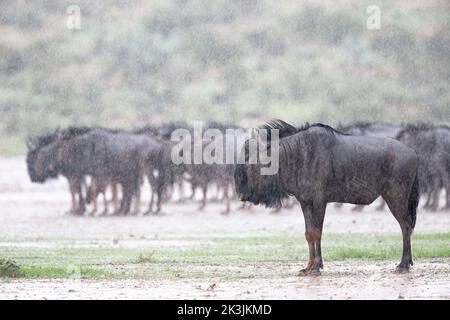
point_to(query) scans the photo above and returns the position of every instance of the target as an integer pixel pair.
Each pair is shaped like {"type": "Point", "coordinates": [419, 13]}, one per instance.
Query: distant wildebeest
{"type": "Point", "coordinates": [432, 144]}
{"type": "Point", "coordinates": [371, 129]}
{"type": "Point", "coordinates": [175, 175]}
{"type": "Point", "coordinates": [41, 159]}
{"type": "Point", "coordinates": [99, 186]}
{"type": "Point", "coordinates": [220, 173]}
{"type": "Point", "coordinates": [98, 153]}
{"type": "Point", "coordinates": [318, 165]}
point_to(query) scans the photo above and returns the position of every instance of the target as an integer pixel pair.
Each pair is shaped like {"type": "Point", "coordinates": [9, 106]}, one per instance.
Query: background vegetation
{"type": "Point", "coordinates": [243, 61]}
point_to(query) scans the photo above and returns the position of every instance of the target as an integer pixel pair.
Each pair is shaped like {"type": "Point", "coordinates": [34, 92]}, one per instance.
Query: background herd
{"type": "Point", "coordinates": [111, 165]}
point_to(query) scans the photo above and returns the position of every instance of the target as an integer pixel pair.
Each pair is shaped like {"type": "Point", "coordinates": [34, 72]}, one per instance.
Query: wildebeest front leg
{"type": "Point", "coordinates": [137, 203]}
{"type": "Point", "coordinates": [307, 209]}
{"type": "Point", "coordinates": [92, 195]}
{"type": "Point", "coordinates": [105, 205]}
{"type": "Point", "coordinates": [314, 213]}
{"type": "Point", "coordinates": [226, 198]}
{"type": "Point", "coordinates": [318, 217]}
{"type": "Point", "coordinates": [127, 195]}
{"type": "Point", "coordinates": [75, 185]}
{"type": "Point", "coordinates": [151, 181]}
{"type": "Point", "coordinates": [204, 191]}
{"type": "Point", "coordinates": [73, 197]}
{"type": "Point", "coordinates": [115, 199]}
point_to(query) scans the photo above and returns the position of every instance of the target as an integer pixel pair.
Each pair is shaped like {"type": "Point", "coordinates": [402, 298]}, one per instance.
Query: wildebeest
{"type": "Point", "coordinates": [109, 157]}
{"type": "Point", "coordinates": [432, 144]}
{"type": "Point", "coordinates": [97, 187]}
{"type": "Point", "coordinates": [318, 165]}
{"type": "Point", "coordinates": [371, 129]}
{"type": "Point", "coordinates": [41, 164]}
{"type": "Point", "coordinates": [219, 173]}
{"type": "Point", "coordinates": [98, 153]}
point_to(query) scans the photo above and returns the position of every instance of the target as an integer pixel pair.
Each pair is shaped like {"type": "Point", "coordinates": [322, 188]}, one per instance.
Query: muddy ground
{"type": "Point", "coordinates": [33, 218]}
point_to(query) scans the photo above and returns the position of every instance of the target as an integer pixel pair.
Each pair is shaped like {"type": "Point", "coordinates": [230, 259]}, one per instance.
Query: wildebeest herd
{"type": "Point", "coordinates": [95, 160]}
{"type": "Point", "coordinates": [317, 165]}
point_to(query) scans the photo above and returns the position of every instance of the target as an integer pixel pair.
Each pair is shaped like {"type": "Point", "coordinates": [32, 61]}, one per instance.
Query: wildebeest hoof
{"type": "Point", "coordinates": [304, 272]}
{"type": "Point", "coordinates": [314, 272]}
{"type": "Point", "coordinates": [79, 213]}
{"type": "Point", "coordinates": [401, 269]}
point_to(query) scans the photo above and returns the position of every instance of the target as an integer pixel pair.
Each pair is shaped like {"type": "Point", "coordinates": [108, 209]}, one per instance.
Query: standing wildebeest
{"type": "Point", "coordinates": [370, 129]}
{"type": "Point", "coordinates": [217, 172]}
{"type": "Point", "coordinates": [99, 153]}
{"type": "Point", "coordinates": [41, 159]}
{"type": "Point", "coordinates": [432, 145]}
{"type": "Point", "coordinates": [318, 165]}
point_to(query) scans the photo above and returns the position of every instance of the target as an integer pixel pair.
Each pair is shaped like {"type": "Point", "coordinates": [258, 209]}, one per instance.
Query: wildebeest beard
{"type": "Point", "coordinates": [264, 189]}
{"type": "Point", "coordinates": [31, 158]}
{"type": "Point", "coordinates": [267, 189]}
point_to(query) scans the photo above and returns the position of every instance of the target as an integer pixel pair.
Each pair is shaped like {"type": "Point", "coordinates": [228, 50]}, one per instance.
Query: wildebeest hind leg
{"type": "Point", "coordinates": [447, 205]}
{"type": "Point", "coordinates": [398, 204]}
{"type": "Point", "coordinates": [152, 195]}
{"type": "Point", "coordinates": [127, 195]}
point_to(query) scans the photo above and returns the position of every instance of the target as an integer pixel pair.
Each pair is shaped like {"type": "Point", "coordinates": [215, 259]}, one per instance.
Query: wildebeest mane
{"type": "Point", "coordinates": [147, 130]}
{"type": "Point", "coordinates": [414, 129]}
{"type": "Point", "coordinates": [73, 132]}
{"type": "Point", "coordinates": [286, 129]}
{"type": "Point", "coordinates": [42, 140]}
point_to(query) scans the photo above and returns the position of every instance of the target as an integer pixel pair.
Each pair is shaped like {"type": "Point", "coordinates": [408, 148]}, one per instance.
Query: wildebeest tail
{"type": "Point", "coordinates": [414, 200]}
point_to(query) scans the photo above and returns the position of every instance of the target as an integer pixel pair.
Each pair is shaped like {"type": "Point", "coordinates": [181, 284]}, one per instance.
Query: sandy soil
{"type": "Point", "coordinates": [428, 281]}
{"type": "Point", "coordinates": [34, 216]}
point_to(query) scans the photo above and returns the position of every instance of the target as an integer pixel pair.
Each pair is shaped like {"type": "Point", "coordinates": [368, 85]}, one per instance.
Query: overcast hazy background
{"type": "Point", "coordinates": [244, 61]}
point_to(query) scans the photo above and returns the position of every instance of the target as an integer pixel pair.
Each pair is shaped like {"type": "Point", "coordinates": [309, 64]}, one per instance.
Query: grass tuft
{"type": "Point", "coordinates": [9, 269]}
{"type": "Point", "coordinates": [146, 258]}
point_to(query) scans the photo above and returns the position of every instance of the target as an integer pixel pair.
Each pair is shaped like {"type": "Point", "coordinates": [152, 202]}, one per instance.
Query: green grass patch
{"type": "Point", "coordinates": [62, 272]}
{"type": "Point", "coordinates": [226, 257]}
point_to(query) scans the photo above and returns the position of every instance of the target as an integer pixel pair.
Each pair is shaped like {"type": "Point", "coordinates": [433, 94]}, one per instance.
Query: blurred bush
{"type": "Point", "coordinates": [139, 62]}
